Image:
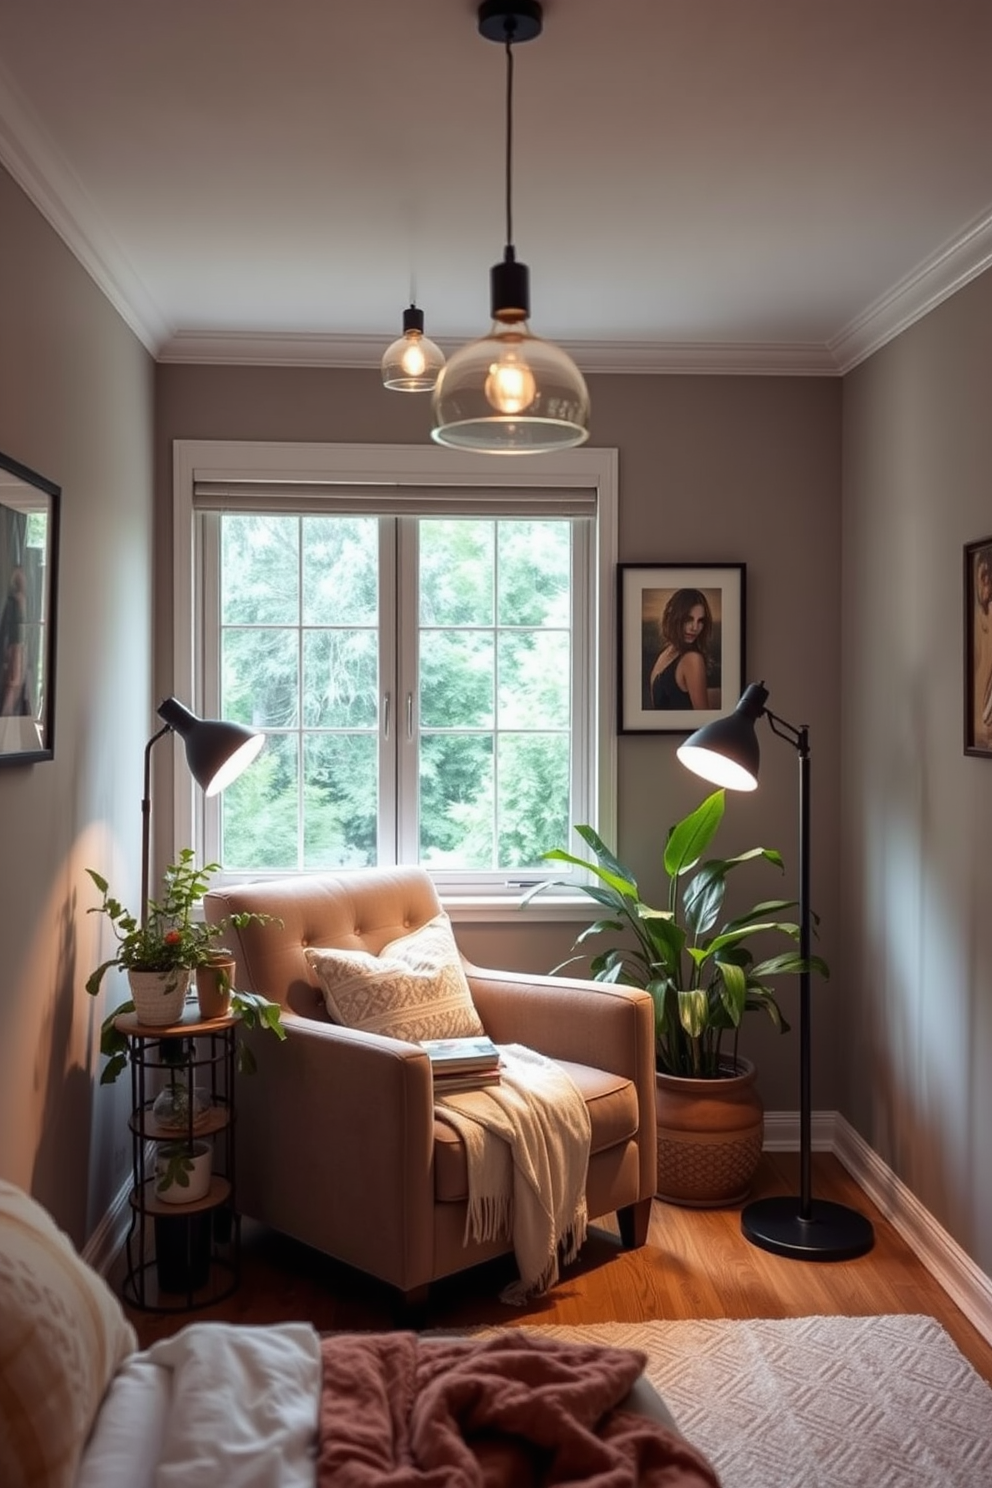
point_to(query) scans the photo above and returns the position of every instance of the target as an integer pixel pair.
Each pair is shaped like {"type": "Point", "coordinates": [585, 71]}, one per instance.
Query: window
{"type": "Point", "coordinates": [423, 648]}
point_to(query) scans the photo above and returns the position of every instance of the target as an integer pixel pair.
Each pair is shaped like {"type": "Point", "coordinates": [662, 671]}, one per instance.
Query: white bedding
{"type": "Point", "coordinates": [216, 1404]}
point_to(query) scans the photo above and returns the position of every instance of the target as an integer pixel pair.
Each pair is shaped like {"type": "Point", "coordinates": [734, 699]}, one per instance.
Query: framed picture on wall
{"type": "Point", "coordinates": [681, 641]}
{"type": "Point", "coordinates": [978, 647]}
{"type": "Point", "coordinates": [29, 513]}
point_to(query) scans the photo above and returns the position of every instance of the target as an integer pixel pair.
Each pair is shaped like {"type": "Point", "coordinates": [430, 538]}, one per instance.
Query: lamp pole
{"type": "Point", "coordinates": [802, 1228]}
{"type": "Point", "coordinates": [726, 751]}
{"type": "Point", "coordinates": [146, 814]}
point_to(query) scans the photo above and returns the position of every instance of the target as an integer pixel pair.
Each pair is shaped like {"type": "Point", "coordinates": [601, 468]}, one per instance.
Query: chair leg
{"type": "Point", "coordinates": [633, 1221]}
{"type": "Point", "coordinates": [411, 1308]}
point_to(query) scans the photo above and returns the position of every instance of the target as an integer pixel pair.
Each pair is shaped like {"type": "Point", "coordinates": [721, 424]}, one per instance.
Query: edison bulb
{"type": "Point", "coordinates": [510, 386]}
{"type": "Point", "coordinates": [413, 360]}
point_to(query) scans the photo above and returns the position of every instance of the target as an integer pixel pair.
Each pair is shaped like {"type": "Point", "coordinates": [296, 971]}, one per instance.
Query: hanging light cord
{"type": "Point", "coordinates": [511, 26]}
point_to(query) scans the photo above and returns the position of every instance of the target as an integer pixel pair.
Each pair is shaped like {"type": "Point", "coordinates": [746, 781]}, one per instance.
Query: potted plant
{"type": "Point", "coordinates": [702, 978]}
{"type": "Point", "coordinates": [161, 953]}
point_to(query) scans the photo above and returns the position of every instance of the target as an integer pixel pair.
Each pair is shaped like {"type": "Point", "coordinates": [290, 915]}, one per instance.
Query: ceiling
{"type": "Point", "coordinates": [711, 185]}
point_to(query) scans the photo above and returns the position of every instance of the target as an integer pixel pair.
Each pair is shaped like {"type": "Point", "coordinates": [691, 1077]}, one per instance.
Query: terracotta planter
{"type": "Point", "coordinates": [158, 996]}
{"type": "Point", "coordinates": [710, 1134]}
{"type": "Point", "coordinates": [214, 984]}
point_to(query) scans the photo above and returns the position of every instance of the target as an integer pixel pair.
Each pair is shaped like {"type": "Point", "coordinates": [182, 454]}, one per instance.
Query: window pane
{"type": "Point", "coordinates": [339, 800]}
{"type": "Point", "coordinates": [532, 811]}
{"type": "Point", "coordinates": [535, 560]}
{"type": "Point", "coordinates": [456, 572]}
{"type": "Point", "coordinates": [340, 570]}
{"type": "Point", "coordinates": [456, 679]}
{"type": "Point", "coordinates": [260, 677]}
{"type": "Point", "coordinates": [340, 678]}
{"type": "Point", "coordinates": [534, 679]}
{"type": "Point", "coordinates": [456, 801]}
{"type": "Point", "coordinates": [260, 567]}
{"type": "Point", "coordinates": [259, 816]}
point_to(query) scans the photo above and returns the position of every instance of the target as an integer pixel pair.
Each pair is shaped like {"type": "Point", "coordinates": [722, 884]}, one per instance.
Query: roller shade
{"type": "Point", "coordinates": [395, 500]}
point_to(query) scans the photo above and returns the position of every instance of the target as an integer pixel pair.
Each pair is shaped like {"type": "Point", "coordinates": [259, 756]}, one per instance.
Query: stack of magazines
{"type": "Point", "coordinates": [462, 1063]}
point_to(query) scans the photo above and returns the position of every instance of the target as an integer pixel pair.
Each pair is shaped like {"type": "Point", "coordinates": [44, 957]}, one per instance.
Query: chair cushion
{"type": "Point", "coordinates": [64, 1335]}
{"type": "Point", "coordinates": [612, 1104]}
{"type": "Point", "coordinates": [414, 989]}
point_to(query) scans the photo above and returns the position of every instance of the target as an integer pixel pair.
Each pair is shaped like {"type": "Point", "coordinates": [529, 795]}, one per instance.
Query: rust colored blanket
{"type": "Point", "coordinates": [502, 1412]}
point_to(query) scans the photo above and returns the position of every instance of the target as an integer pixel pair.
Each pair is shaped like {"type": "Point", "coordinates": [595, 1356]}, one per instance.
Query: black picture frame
{"type": "Point", "coordinates": [977, 592]}
{"type": "Point", "coordinates": [29, 550]}
{"type": "Point", "coordinates": [646, 706]}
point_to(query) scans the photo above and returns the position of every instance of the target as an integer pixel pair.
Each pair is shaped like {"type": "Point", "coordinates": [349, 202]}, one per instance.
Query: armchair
{"type": "Point", "coordinates": [338, 1146]}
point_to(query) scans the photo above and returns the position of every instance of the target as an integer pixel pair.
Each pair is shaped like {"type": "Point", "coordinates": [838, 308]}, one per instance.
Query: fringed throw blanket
{"type": "Point", "coordinates": [527, 1141]}
{"type": "Point", "coordinates": [508, 1412]}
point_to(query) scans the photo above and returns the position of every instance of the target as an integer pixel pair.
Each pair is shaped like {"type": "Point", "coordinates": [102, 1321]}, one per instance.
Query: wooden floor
{"type": "Point", "coordinates": [696, 1265]}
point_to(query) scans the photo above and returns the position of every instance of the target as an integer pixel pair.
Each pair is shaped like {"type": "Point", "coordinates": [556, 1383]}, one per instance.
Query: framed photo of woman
{"type": "Point", "coordinates": [681, 644]}
{"type": "Point", "coordinates": [978, 647]}
{"type": "Point", "coordinates": [29, 509]}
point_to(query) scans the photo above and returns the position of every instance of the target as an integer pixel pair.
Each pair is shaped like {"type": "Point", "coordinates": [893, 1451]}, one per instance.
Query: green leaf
{"type": "Point", "coordinates": [689, 838]}
{"type": "Point", "coordinates": [693, 1010]}
{"type": "Point", "coordinates": [703, 897]}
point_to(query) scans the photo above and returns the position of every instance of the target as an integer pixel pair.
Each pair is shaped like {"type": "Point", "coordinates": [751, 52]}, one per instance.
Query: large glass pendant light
{"type": "Point", "coordinates": [510, 393]}
{"type": "Point", "coordinates": [412, 364]}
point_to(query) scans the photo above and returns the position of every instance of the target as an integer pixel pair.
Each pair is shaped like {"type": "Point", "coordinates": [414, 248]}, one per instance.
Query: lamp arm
{"type": "Point", "coordinates": [146, 811]}
{"type": "Point", "coordinates": [796, 735]}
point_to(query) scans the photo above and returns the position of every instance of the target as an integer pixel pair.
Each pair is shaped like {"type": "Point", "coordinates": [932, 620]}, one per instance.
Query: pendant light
{"type": "Point", "coordinates": [412, 364]}
{"type": "Point", "coordinates": [510, 392]}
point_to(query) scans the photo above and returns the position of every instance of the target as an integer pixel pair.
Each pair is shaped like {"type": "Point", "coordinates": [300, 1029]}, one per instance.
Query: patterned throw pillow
{"type": "Point", "coordinates": [64, 1335]}
{"type": "Point", "coordinates": [415, 989]}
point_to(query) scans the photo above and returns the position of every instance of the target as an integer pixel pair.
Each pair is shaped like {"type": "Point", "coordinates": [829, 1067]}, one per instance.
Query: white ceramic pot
{"type": "Point", "coordinates": [158, 996]}
{"type": "Point", "coordinates": [182, 1172]}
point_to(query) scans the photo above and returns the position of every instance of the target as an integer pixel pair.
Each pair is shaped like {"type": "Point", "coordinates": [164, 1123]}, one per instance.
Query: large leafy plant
{"type": "Point", "coordinates": [703, 979]}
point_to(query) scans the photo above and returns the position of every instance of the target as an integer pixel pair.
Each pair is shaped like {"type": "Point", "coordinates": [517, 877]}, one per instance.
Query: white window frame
{"type": "Point", "coordinates": [217, 461]}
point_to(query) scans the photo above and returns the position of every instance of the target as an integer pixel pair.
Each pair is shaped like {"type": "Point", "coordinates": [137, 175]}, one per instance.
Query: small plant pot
{"type": "Point", "coordinates": [158, 996]}
{"type": "Point", "coordinates": [214, 984]}
{"type": "Point", "coordinates": [182, 1172]}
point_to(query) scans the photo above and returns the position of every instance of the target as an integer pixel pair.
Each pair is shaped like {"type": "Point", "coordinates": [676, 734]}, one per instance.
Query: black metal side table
{"type": "Point", "coordinates": [181, 1256]}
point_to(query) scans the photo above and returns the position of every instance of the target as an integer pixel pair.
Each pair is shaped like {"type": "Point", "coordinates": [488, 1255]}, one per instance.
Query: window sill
{"type": "Point", "coordinates": [492, 909]}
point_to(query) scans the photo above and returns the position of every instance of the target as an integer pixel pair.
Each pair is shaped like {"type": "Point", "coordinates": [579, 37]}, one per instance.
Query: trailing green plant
{"type": "Point", "coordinates": [702, 979]}
{"type": "Point", "coordinates": [171, 940]}
{"type": "Point", "coordinates": [175, 1168]}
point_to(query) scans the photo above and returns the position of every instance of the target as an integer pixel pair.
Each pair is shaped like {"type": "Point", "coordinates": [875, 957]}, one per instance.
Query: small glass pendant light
{"type": "Point", "coordinates": [412, 364]}
{"type": "Point", "coordinates": [510, 392]}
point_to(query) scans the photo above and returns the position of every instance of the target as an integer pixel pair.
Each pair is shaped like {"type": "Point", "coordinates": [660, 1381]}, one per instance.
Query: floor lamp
{"type": "Point", "coordinates": [726, 752]}
{"type": "Point", "coordinates": [216, 753]}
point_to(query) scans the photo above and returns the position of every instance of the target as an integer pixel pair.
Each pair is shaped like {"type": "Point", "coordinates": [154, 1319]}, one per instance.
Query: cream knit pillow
{"type": "Point", "coordinates": [62, 1336]}
{"type": "Point", "coordinates": [416, 989]}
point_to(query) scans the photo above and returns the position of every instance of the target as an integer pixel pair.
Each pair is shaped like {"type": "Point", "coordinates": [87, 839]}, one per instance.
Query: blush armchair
{"type": "Point", "coordinates": [338, 1146]}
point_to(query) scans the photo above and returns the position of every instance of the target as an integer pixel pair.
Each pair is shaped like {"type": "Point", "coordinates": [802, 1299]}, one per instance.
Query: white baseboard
{"type": "Point", "coordinates": [967, 1286]}
{"type": "Point", "coordinates": [101, 1249]}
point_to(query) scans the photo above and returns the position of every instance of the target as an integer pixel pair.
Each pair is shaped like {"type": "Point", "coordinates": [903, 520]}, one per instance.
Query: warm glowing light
{"type": "Point", "coordinates": [716, 767]}
{"type": "Point", "coordinates": [413, 360]}
{"type": "Point", "coordinates": [510, 386]}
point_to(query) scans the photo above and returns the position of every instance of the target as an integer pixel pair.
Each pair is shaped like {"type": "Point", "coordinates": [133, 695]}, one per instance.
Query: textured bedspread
{"type": "Point", "coordinates": [399, 1412]}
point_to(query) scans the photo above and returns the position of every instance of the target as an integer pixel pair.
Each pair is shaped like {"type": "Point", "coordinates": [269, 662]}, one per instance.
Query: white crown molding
{"type": "Point", "coordinates": [261, 349]}
{"type": "Point", "coordinates": [47, 179]}
{"type": "Point", "coordinates": [937, 278]}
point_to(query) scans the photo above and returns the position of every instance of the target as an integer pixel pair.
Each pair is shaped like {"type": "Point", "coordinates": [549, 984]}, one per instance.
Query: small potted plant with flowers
{"type": "Point", "coordinates": [161, 951]}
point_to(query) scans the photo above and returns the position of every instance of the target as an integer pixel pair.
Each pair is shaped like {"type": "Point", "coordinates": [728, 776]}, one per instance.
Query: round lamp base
{"type": "Point", "coordinates": [832, 1232]}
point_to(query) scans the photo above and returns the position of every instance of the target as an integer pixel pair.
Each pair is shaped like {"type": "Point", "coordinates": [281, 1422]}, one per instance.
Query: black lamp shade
{"type": "Point", "coordinates": [216, 751]}
{"type": "Point", "coordinates": [726, 751]}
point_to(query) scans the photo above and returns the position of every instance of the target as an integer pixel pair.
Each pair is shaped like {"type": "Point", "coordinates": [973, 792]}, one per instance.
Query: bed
{"type": "Point", "coordinates": [282, 1406]}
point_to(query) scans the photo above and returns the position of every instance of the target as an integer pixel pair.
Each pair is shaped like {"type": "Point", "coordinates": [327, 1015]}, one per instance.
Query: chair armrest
{"type": "Point", "coordinates": [597, 1023]}
{"type": "Point", "coordinates": [336, 1145]}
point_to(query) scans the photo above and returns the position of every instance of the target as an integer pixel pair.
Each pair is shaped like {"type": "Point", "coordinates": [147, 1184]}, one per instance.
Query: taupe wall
{"type": "Point", "coordinates": [917, 812]}
{"type": "Point", "coordinates": [711, 469]}
{"type": "Point", "coordinates": [76, 403]}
